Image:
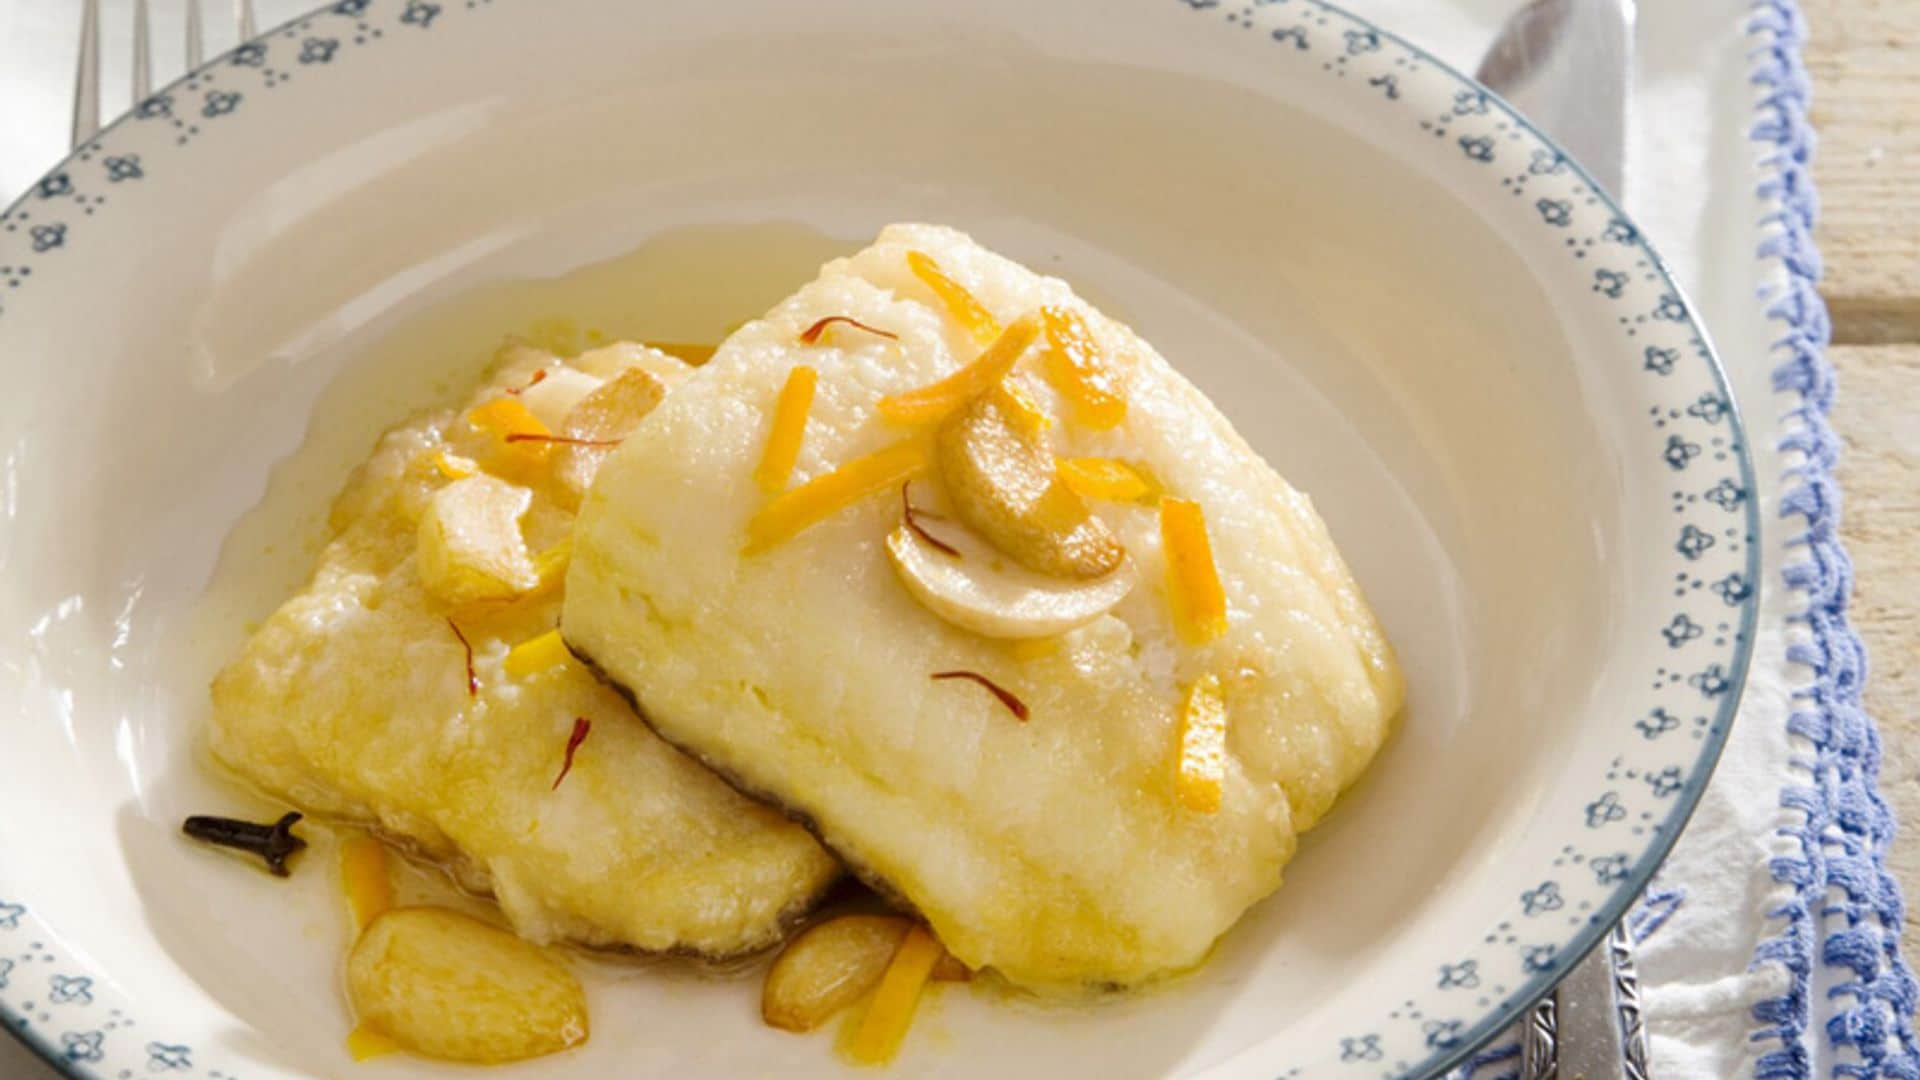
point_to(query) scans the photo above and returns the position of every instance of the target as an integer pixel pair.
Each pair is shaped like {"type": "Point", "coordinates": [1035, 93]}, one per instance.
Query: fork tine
{"type": "Point", "coordinates": [142, 54]}
{"type": "Point", "coordinates": [86, 83]}
{"type": "Point", "coordinates": [196, 38]}
{"type": "Point", "coordinates": [243, 10]}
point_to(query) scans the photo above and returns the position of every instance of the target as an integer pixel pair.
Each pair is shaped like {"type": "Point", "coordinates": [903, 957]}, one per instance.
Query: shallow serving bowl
{"type": "Point", "coordinates": [1416, 307]}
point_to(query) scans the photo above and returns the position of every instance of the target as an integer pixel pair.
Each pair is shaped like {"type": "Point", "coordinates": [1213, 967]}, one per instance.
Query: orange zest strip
{"type": "Point", "coordinates": [1193, 582]}
{"type": "Point", "coordinates": [692, 354]}
{"type": "Point", "coordinates": [1026, 412]}
{"type": "Point", "coordinates": [581, 726]}
{"type": "Point", "coordinates": [812, 333]}
{"type": "Point", "coordinates": [473, 678]}
{"type": "Point", "coordinates": [364, 878]}
{"type": "Point", "coordinates": [536, 654]}
{"type": "Point", "coordinates": [1101, 478]}
{"type": "Point", "coordinates": [365, 1043]}
{"type": "Point", "coordinates": [796, 509]}
{"type": "Point", "coordinates": [788, 430]}
{"type": "Point", "coordinates": [1203, 747]}
{"type": "Point", "coordinates": [935, 400]}
{"type": "Point", "coordinates": [891, 1012]}
{"type": "Point", "coordinates": [510, 421]}
{"type": "Point", "coordinates": [1079, 371]}
{"type": "Point", "coordinates": [961, 304]}
{"type": "Point", "coordinates": [1007, 697]}
{"type": "Point", "coordinates": [506, 417]}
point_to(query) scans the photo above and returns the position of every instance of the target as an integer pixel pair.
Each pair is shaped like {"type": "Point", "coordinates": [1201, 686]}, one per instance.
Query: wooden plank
{"type": "Point", "coordinates": [1877, 414]}
{"type": "Point", "coordinates": [1864, 56]}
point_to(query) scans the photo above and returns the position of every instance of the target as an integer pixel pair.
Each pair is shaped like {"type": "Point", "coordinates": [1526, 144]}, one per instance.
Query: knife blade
{"type": "Point", "coordinates": [1567, 65]}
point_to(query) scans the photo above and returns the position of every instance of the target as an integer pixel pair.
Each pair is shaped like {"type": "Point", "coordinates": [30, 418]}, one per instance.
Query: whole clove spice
{"type": "Point", "coordinates": [273, 843]}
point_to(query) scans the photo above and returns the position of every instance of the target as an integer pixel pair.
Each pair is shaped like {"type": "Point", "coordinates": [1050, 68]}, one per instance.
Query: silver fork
{"type": "Point", "coordinates": [86, 83]}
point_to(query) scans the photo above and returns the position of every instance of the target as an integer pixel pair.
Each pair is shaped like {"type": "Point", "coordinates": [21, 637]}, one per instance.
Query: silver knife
{"type": "Point", "coordinates": [1567, 65]}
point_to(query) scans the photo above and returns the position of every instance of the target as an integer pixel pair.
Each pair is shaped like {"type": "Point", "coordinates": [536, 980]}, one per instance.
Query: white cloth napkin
{"type": "Point", "coordinates": [1770, 939]}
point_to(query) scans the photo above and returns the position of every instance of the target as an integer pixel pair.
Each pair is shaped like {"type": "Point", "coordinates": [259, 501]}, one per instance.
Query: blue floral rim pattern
{"type": "Point", "coordinates": [1845, 825]}
{"type": "Point", "coordinates": [1453, 1047]}
{"type": "Point", "coordinates": [1630, 818]}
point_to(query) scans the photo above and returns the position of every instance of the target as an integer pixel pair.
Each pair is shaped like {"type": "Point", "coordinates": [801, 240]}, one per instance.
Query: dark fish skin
{"type": "Point", "coordinates": [885, 889]}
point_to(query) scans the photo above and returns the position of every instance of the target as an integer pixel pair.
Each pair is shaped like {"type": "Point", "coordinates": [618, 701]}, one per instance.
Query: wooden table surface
{"type": "Point", "coordinates": [1865, 59]}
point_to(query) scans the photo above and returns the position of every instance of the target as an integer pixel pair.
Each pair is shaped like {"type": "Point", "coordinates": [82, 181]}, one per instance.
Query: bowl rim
{"type": "Point", "coordinates": [1659, 841]}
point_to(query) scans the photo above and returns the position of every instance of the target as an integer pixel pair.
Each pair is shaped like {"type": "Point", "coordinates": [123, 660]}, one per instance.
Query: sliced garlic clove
{"type": "Point", "coordinates": [446, 985]}
{"type": "Point", "coordinates": [1003, 485]}
{"type": "Point", "coordinates": [557, 392]}
{"type": "Point", "coordinates": [828, 967]}
{"type": "Point", "coordinates": [610, 361]}
{"type": "Point", "coordinates": [470, 546]}
{"type": "Point", "coordinates": [604, 416]}
{"type": "Point", "coordinates": [981, 591]}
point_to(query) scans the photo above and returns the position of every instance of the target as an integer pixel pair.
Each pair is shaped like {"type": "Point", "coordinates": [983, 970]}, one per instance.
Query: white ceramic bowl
{"type": "Point", "coordinates": [1405, 297]}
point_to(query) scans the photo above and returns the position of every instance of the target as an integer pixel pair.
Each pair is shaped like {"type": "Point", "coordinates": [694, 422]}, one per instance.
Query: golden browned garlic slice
{"type": "Point", "coordinates": [601, 419]}
{"type": "Point", "coordinates": [470, 544]}
{"type": "Point", "coordinates": [1004, 487]}
{"type": "Point", "coordinates": [828, 968]}
{"type": "Point", "coordinates": [446, 985]}
{"type": "Point", "coordinates": [978, 589]}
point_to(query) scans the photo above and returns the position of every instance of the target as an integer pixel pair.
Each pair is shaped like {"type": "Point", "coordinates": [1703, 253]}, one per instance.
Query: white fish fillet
{"type": "Point", "coordinates": [351, 701]}
{"type": "Point", "coordinates": [1056, 850]}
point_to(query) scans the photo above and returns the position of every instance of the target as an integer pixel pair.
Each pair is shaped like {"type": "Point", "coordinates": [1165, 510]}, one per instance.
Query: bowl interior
{"type": "Point", "coordinates": [1375, 325]}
